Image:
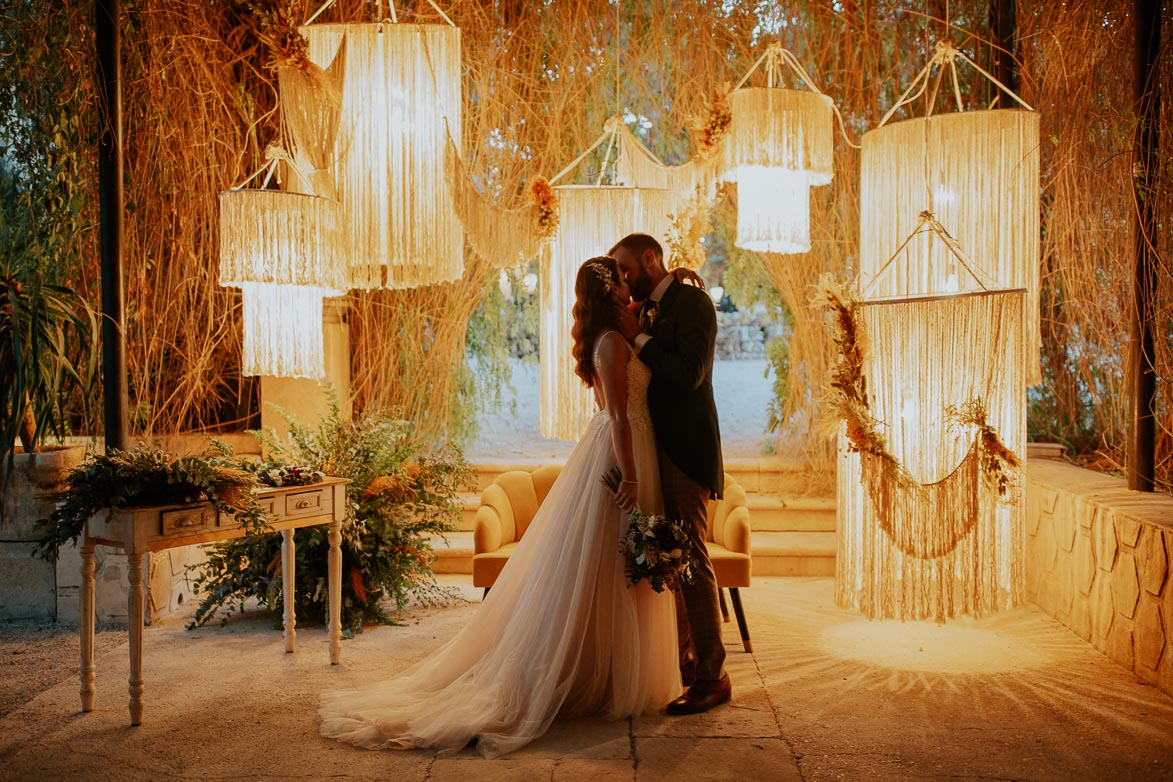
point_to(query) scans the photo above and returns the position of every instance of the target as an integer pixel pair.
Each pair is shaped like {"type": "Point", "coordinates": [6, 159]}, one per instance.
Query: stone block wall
{"type": "Point", "coordinates": [1098, 560]}
{"type": "Point", "coordinates": [166, 574]}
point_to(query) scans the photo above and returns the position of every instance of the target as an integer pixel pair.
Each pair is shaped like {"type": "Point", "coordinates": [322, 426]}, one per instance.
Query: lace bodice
{"type": "Point", "coordinates": [638, 377]}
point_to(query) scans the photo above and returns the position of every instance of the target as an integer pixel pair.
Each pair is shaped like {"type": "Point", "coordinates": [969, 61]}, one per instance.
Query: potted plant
{"type": "Point", "coordinates": [47, 353]}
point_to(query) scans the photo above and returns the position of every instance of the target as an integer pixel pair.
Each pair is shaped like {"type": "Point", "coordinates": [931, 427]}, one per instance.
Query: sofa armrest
{"type": "Point", "coordinates": [737, 530]}
{"type": "Point", "coordinates": [487, 535]}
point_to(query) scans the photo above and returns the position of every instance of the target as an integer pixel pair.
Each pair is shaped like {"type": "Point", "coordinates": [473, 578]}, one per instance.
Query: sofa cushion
{"type": "Point", "coordinates": [486, 567]}
{"type": "Point", "coordinates": [519, 488]}
{"type": "Point", "coordinates": [731, 568]}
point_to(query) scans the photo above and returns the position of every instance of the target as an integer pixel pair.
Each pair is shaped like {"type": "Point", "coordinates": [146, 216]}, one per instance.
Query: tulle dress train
{"type": "Point", "coordinates": [561, 633]}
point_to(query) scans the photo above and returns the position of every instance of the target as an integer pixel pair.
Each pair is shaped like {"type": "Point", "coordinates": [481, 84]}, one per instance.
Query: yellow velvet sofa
{"type": "Point", "coordinates": [509, 503]}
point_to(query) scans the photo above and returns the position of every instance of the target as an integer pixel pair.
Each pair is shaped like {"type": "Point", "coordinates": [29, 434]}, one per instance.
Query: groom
{"type": "Point", "coordinates": [674, 334]}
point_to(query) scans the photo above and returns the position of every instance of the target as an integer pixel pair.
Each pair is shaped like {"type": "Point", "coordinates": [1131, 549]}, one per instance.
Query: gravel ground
{"type": "Point", "coordinates": [35, 657]}
{"type": "Point", "coordinates": [743, 390]}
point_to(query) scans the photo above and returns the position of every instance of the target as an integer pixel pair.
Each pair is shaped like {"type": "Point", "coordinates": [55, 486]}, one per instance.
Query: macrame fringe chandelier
{"type": "Point", "coordinates": [283, 250]}
{"type": "Point", "coordinates": [592, 219]}
{"type": "Point", "coordinates": [779, 145]}
{"type": "Point", "coordinates": [282, 238]}
{"type": "Point", "coordinates": [977, 172]}
{"type": "Point", "coordinates": [400, 101]}
{"type": "Point", "coordinates": [930, 521]}
{"type": "Point", "coordinates": [283, 331]}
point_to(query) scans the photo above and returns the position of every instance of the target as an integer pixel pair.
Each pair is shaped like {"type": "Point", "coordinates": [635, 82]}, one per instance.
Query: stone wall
{"type": "Point", "coordinates": [28, 582]}
{"type": "Point", "coordinates": [1098, 560]}
{"type": "Point", "coordinates": [743, 334]}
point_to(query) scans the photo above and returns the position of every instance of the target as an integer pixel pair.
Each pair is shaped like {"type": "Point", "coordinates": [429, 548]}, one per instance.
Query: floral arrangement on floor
{"type": "Point", "coordinates": [654, 548]}
{"type": "Point", "coordinates": [398, 497]}
{"type": "Point", "coordinates": [149, 476]}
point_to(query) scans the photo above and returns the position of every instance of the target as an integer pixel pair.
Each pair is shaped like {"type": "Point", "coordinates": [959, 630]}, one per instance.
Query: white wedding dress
{"type": "Point", "coordinates": [561, 633]}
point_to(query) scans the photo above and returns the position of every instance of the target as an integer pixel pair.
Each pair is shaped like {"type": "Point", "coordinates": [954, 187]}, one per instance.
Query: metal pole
{"type": "Point", "coordinates": [109, 55]}
{"type": "Point", "coordinates": [1143, 374]}
{"type": "Point", "coordinates": [1006, 36]}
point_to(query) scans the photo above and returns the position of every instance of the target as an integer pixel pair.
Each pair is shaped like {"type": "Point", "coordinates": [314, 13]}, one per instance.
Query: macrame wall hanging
{"type": "Point", "coordinates": [932, 393]}
{"type": "Point", "coordinates": [779, 145]}
{"type": "Point", "coordinates": [283, 250]}
{"type": "Point", "coordinates": [977, 172]}
{"type": "Point", "coordinates": [592, 219]}
{"type": "Point", "coordinates": [400, 101]}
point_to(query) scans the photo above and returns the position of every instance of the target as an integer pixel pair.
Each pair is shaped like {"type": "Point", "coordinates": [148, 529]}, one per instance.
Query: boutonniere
{"type": "Point", "coordinates": [652, 316]}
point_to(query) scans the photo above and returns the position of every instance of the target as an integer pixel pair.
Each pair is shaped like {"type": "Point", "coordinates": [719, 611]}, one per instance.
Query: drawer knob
{"type": "Point", "coordinates": [302, 504]}
{"type": "Point", "coordinates": [186, 521]}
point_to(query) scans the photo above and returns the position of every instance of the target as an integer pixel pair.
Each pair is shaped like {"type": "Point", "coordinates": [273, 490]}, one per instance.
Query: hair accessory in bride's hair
{"type": "Point", "coordinates": [604, 274]}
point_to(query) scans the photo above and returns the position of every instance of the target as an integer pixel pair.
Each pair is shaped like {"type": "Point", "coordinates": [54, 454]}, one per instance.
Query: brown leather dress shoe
{"type": "Point", "coordinates": [702, 696]}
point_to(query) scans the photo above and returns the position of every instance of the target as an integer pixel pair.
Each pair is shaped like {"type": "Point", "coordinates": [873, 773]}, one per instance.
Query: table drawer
{"type": "Point", "coordinates": [186, 520]}
{"type": "Point", "coordinates": [268, 507]}
{"type": "Point", "coordinates": [306, 503]}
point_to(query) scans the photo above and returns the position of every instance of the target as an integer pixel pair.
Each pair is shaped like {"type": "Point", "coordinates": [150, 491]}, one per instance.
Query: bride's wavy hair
{"type": "Point", "coordinates": [594, 312]}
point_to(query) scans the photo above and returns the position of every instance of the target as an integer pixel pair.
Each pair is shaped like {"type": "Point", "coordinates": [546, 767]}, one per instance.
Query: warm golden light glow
{"type": "Point", "coordinates": [928, 647]}
{"type": "Point", "coordinates": [773, 210]}
{"type": "Point", "coordinates": [401, 99]}
{"type": "Point", "coordinates": [592, 220]}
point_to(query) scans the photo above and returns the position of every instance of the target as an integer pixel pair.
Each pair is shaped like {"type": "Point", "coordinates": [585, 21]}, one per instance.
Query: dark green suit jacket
{"type": "Point", "coordinates": [680, 396]}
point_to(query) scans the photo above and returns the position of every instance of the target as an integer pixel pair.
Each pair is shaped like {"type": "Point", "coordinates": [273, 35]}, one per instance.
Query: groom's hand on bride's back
{"type": "Point", "coordinates": [628, 323]}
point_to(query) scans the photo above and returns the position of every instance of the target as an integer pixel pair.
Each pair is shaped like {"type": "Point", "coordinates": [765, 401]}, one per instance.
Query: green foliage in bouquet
{"type": "Point", "coordinates": [397, 498]}
{"type": "Point", "coordinates": [655, 549]}
{"type": "Point", "coordinates": [149, 476]}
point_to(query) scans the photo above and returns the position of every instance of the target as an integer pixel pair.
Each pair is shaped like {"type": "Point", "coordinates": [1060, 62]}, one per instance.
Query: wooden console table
{"type": "Point", "coordinates": [140, 530]}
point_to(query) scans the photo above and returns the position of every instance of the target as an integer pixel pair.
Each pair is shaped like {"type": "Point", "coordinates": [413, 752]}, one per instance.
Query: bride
{"type": "Point", "coordinates": [561, 634]}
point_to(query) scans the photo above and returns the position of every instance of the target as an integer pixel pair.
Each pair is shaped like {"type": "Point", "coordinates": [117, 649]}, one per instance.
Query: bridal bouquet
{"type": "Point", "coordinates": [655, 549]}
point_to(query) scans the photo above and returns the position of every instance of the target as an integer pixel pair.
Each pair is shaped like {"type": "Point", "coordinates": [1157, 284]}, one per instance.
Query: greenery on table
{"type": "Point", "coordinates": [397, 499]}
{"type": "Point", "coordinates": [145, 477]}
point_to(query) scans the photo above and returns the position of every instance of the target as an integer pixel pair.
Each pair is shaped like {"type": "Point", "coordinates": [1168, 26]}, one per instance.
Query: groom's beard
{"type": "Point", "coordinates": [640, 289]}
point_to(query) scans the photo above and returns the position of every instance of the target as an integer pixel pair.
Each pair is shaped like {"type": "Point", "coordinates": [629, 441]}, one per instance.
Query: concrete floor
{"type": "Point", "coordinates": [825, 696]}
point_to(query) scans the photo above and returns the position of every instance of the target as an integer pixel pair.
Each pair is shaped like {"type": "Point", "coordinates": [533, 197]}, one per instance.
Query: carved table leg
{"type": "Point", "coordinates": [135, 618]}
{"type": "Point", "coordinates": [87, 623]}
{"type": "Point", "coordinates": [288, 566]}
{"type": "Point", "coordinates": [335, 577]}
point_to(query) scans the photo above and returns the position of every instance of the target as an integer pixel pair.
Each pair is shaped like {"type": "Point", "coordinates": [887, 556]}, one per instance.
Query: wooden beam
{"type": "Point", "coordinates": [1141, 460]}
{"type": "Point", "coordinates": [108, 42]}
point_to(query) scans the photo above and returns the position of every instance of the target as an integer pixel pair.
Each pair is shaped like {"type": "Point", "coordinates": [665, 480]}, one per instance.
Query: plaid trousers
{"type": "Point", "coordinates": [698, 612]}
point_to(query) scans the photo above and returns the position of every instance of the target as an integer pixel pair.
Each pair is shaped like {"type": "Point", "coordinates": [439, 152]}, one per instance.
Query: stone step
{"type": "Point", "coordinates": [469, 502]}
{"type": "Point", "coordinates": [453, 552]}
{"type": "Point", "coordinates": [757, 474]}
{"type": "Point", "coordinates": [774, 553]}
{"type": "Point", "coordinates": [778, 513]}
{"type": "Point", "coordinates": [793, 553]}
